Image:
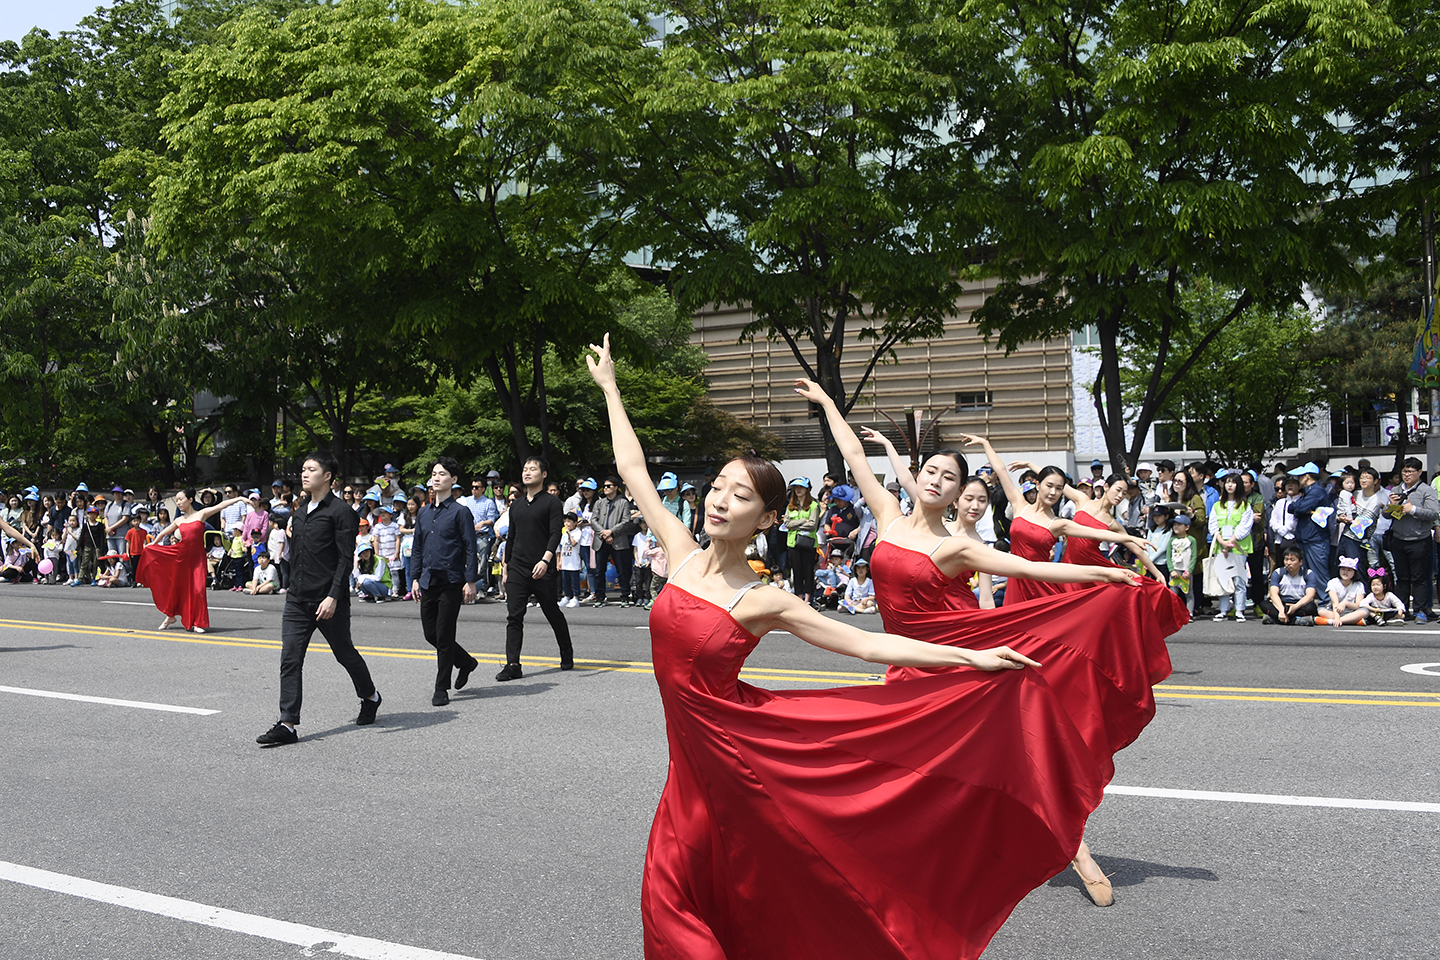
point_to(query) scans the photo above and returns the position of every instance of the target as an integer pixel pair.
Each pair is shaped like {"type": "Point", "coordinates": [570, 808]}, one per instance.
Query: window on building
{"type": "Point", "coordinates": [1088, 336]}
{"type": "Point", "coordinates": [1289, 433]}
{"type": "Point", "coordinates": [974, 399]}
{"type": "Point", "coordinates": [1169, 436]}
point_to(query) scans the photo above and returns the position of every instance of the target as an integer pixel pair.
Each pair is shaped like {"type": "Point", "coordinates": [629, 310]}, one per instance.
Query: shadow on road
{"type": "Point", "coordinates": [56, 646]}
{"type": "Point", "coordinates": [391, 723]}
{"type": "Point", "coordinates": [1124, 872]}
{"type": "Point", "coordinates": [507, 689]}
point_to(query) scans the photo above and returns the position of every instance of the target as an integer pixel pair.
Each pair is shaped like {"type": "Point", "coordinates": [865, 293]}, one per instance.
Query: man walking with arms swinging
{"type": "Point", "coordinates": [322, 543]}
{"type": "Point", "coordinates": [530, 547]}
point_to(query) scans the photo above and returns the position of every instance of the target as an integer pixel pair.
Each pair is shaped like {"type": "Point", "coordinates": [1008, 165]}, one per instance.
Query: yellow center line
{"type": "Point", "coordinates": [1342, 693]}
{"type": "Point", "coordinates": [1366, 703]}
{"type": "Point", "coordinates": [773, 674]}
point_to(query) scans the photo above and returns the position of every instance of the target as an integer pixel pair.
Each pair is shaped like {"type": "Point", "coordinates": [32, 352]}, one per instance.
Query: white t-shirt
{"type": "Point", "coordinates": [1391, 602]}
{"type": "Point", "coordinates": [278, 544]}
{"type": "Point", "coordinates": [1351, 594]}
{"type": "Point", "coordinates": [638, 545]}
{"type": "Point", "coordinates": [570, 549]}
{"type": "Point", "coordinates": [266, 574]}
{"type": "Point", "coordinates": [855, 590]}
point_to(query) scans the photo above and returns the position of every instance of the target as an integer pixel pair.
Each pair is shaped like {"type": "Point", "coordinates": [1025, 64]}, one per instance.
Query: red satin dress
{"type": "Point", "coordinates": [1101, 647]}
{"type": "Point", "coordinates": [883, 822]}
{"type": "Point", "coordinates": [1030, 541]}
{"type": "Point", "coordinates": [175, 574]}
{"type": "Point", "coordinates": [1083, 550]}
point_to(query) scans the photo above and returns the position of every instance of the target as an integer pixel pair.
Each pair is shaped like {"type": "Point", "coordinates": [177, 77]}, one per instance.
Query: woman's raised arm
{"type": "Point", "coordinates": [673, 535]}
{"type": "Point", "coordinates": [882, 502]}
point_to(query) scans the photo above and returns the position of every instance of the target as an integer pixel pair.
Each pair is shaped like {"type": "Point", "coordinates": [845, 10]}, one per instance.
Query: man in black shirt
{"type": "Point", "coordinates": [535, 522]}
{"type": "Point", "coordinates": [322, 543]}
{"type": "Point", "coordinates": [443, 575]}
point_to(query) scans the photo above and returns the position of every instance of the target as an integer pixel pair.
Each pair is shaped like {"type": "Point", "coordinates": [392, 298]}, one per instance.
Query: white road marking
{"type": "Point", "coordinates": [108, 701]}
{"type": "Point", "coordinates": [1274, 798]}
{"type": "Point", "coordinates": [136, 603]}
{"type": "Point", "coordinates": [1424, 669]}
{"type": "Point", "coordinates": [311, 939]}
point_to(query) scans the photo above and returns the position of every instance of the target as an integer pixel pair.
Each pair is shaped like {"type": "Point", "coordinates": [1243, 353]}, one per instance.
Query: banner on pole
{"type": "Point", "coordinates": [1425, 365]}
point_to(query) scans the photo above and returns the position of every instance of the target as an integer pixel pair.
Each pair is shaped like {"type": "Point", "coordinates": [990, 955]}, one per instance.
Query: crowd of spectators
{"type": "Point", "coordinates": [1295, 545]}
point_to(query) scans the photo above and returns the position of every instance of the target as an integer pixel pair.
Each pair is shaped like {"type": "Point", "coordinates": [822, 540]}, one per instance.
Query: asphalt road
{"type": "Point", "coordinates": [512, 823]}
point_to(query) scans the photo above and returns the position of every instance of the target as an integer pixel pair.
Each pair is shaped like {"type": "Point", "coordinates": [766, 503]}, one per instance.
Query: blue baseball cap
{"type": "Point", "coordinates": [375, 497]}
{"type": "Point", "coordinates": [81, 488]}
{"type": "Point", "coordinates": [843, 492]}
{"type": "Point", "coordinates": [668, 481]}
{"type": "Point", "coordinates": [800, 482]}
{"type": "Point", "coordinates": [1306, 468]}
{"type": "Point", "coordinates": [588, 484]}
{"type": "Point", "coordinates": [687, 487]}
{"type": "Point", "coordinates": [1181, 520]}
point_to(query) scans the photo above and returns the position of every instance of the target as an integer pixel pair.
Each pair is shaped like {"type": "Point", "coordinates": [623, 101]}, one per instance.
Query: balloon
{"type": "Point", "coordinates": [46, 567]}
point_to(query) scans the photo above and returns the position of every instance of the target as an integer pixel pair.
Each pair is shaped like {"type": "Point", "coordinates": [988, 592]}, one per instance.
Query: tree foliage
{"type": "Point", "coordinates": [784, 159]}
{"type": "Point", "coordinates": [1261, 370]}
{"type": "Point", "coordinates": [1133, 149]}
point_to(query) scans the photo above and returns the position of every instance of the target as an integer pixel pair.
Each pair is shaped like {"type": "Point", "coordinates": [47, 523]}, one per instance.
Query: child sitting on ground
{"type": "Point", "coordinates": [266, 578]}
{"type": "Point", "coordinates": [860, 591]}
{"type": "Point", "coordinates": [1346, 595]}
{"type": "Point", "coordinates": [1382, 606]}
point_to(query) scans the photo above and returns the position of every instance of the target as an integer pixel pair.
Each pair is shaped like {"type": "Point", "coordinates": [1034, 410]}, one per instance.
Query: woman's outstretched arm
{"type": "Point", "coordinates": [903, 476]}
{"type": "Point", "coordinates": [673, 535]}
{"type": "Point", "coordinates": [882, 502]}
{"type": "Point", "coordinates": [1002, 472]}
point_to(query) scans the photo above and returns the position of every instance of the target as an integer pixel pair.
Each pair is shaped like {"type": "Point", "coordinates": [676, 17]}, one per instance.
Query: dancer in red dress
{"type": "Point", "coordinates": [1036, 528]}
{"type": "Point", "coordinates": [175, 573]}
{"type": "Point", "coordinates": [1102, 647]}
{"type": "Point", "coordinates": [901, 821]}
{"type": "Point", "coordinates": [1098, 513]}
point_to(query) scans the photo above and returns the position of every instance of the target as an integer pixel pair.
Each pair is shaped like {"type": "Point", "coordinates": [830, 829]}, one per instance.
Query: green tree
{"type": "Point", "coordinates": [414, 177]}
{"type": "Point", "coordinates": [69, 106]}
{"type": "Point", "coordinates": [1367, 342]}
{"type": "Point", "coordinates": [789, 158]}
{"type": "Point", "coordinates": [1132, 149]}
{"type": "Point", "coordinates": [1260, 370]}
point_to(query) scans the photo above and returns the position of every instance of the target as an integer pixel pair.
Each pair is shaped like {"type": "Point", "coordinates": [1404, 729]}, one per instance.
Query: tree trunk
{"type": "Point", "coordinates": [508, 393]}
{"type": "Point", "coordinates": [827, 369]}
{"type": "Point", "coordinates": [542, 411]}
{"type": "Point", "coordinates": [1402, 425]}
{"type": "Point", "coordinates": [1111, 409]}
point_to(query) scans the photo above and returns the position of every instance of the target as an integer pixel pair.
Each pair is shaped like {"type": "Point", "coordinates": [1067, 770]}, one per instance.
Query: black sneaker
{"type": "Point", "coordinates": [462, 676]}
{"type": "Point", "coordinates": [512, 671]}
{"type": "Point", "coordinates": [368, 709]}
{"type": "Point", "coordinates": [277, 736]}
{"type": "Point", "coordinates": [567, 664]}
{"type": "Point", "coordinates": [440, 699]}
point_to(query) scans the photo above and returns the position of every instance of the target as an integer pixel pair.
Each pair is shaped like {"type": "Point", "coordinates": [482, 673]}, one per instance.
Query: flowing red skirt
{"type": "Point", "coordinates": [175, 574]}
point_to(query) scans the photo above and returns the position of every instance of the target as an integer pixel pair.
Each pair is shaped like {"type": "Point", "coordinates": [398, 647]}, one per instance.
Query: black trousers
{"type": "Point", "coordinates": [439, 611]}
{"type": "Point", "coordinates": [802, 564]}
{"type": "Point", "coordinates": [1412, 573]}
{"type": "Point", "coordinates": [518, 591]}
{"type": "Point", "coordinates": [1268, 608]}
{"type": "Point", "coordinates": [297, 625]}
{"type": "Point", "coordinates": [624, 557]}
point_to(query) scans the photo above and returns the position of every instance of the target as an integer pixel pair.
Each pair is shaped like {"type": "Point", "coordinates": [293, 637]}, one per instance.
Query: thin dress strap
{"type": "Point", "coordinates": [887, 528]}
{"type": "Point", "coordinates": [741, 592]}
{"type": "Point", "coordinates": [682, 563]}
